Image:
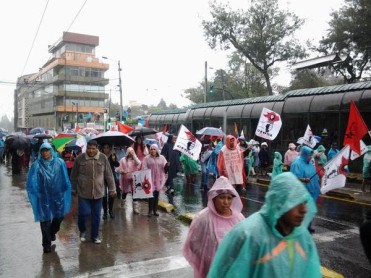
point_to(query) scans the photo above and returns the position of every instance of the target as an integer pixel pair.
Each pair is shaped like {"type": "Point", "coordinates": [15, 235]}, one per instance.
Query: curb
{"type": "Point", "coordinates": [165, 206]}
{"type": "Point", "coordinates": [339, 194]}
{"type": "Point", "coordinates": [328, 273]}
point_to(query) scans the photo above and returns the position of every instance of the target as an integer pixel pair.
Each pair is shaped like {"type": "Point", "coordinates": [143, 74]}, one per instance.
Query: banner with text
{"type": "Point", "coordinates": [269, 124]}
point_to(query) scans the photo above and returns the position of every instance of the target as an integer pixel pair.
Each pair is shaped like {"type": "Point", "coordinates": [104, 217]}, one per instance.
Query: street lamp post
{"type": "Point", "coordinates": [77, 112]}
{"type": "Point", "coordinates": [120, 85]}
{"type": "Point", "coordinates": [205, 82]}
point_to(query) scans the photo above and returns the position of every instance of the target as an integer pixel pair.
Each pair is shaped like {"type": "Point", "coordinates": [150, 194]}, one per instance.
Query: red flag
{"type": "Point", "coordinates": [356, 129]}
{"type": "Point", "coordinates": [124, 128]}
{"type": "Point", "coordinates": [164, 130]}
{"type": "Point", "coordinates": [235, 130]}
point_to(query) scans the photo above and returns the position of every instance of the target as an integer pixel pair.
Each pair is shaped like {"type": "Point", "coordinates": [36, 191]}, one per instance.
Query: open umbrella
{"type": "Point", "coordinates": [17, 142]}
{"type": "Point", "coordinates": [142, 131]}
{"type": "Point", "coordinates": [115, 138]}
{"type": "Point", "coordinates": [37, 130]}
{"type": "Point", "coordinates": [211, 131]}
{"type": "Point", "coordinates": [72, 146]}
{"type": "Point", "coordinates": [59, 143]}
{"type": "Point", "coordinates": [43, 136]}
{"type": "Point", "coordinates": [88, 130]}
{"type": "Point", "coordinates": [71, 135]}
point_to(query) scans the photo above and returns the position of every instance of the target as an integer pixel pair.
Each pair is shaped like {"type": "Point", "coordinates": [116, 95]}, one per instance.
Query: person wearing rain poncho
{"type": "Point", "coordinates": [277, 164]}
{"type": "Point", "coordinates": [302, 167]}
{"type": "Point", "coordinates": [273, 242]}
{"type": "Point", "coordinates": [210, 225]}
{"type": "Point", "coordinates": [49, 191]}
{"type": "Point", "coordinates": [320, 160]}
{"type": "Point", "coordinates": [230, 163]}
{"type": "Point", "coordinates": [190, 168]}
{"type": "Point", "coordinates": [366, 169]}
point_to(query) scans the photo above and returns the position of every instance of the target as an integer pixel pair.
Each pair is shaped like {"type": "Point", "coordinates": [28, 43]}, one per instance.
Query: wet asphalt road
{"type": "Point", "coordinates": [138, 246]}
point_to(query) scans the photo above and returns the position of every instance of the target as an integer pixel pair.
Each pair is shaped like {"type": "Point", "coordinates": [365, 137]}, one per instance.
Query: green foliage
{"type": "Point", "coordinates": [311, 79]}
{"type": "Point", "coordinates": [6, 123]}
{"type": "Point", "coordinates": [350, 34]}
{"type": "Point", "coordinates": [263, 34]}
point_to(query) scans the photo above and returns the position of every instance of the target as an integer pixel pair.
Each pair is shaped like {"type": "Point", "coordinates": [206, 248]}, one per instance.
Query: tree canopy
{"type": "Point", "coordinates": [263, 34]}
{"type": "Point", "coordinates": [350, 34]}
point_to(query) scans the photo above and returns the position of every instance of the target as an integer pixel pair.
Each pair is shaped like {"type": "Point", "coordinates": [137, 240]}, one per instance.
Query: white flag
{"type": "Point", "coordinates": [335, 172]}
{"type": "Point", "coordinates": [354, 155]}
{"type": "Point", "coordinates": [187, 143]}
{"type": "Point", "coordinates": [142, 184]}
{"type": "Point", "coordinates": [308, 138]}
{"type": "Point", "coordinates": [269, 124]}
{"type": "Point", "coordinates": [161, 138]}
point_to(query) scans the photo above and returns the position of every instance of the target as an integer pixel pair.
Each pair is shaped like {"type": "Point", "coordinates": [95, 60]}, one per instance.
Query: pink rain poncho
{"type": "Point", "coordinates": [208, 228]}
{"type": "Point", "coordinates": [128, 164]}
{"type": "Point", "coordinates": [156, 164]}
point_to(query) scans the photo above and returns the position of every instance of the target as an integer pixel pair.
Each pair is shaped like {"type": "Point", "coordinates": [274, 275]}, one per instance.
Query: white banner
{"type": "Point", "coordinates": [308, 138]}
{"type": "Point", "coordinates": [161, 138]}
{"type": "Point", "coordinates": [187, 143]}
{"type": "Point", "coordinates": [335, 172]}
{"type": "Point", "coordinates": [269, 124]}
{"type": "Point", "coordinates": [142, 184]}
{"type": "Point", "coordinates": [354, 155]}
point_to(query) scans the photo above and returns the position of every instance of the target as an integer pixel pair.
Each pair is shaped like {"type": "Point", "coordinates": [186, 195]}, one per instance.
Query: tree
{"type": "Point", "coordinates": [196, 95]}
{"type": "Point", "coordinates": [350, 34]}
{"type": "Point", "coordinates": [263, 34]}
{"type": "Point", "coordinates": [162, 105]}
{"type": "Point", "coordinates": [311, 79]}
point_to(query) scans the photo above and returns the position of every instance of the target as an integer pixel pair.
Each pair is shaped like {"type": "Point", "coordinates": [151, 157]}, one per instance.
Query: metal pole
{"type": "Point", "coordinates": [223, 85]}
{"type": "Point", "coordinates": [77, 114]}
{"type": "Point", "coordinates": [120, 89]}
{"type": "Point", "coordinates": [205, 82]}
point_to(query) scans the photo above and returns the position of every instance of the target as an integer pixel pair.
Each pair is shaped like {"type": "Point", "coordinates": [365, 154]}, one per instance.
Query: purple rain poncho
{"type": "Point", "coordinates": [208, 228]}
{"type": "Point", "coordinates": [48, 187]}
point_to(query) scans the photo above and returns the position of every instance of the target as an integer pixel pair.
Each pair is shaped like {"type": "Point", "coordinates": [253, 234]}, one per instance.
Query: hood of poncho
{"type": "Point", "coordinates": [285, 192]}
{"type": "Point", "coordinates": [228, 142]}
{"type": "Point", "coordinates": [223, 185]}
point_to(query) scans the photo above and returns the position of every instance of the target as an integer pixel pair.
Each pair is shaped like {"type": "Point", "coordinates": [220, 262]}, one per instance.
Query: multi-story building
{"type": "Point", "coordinates": [68, 89]}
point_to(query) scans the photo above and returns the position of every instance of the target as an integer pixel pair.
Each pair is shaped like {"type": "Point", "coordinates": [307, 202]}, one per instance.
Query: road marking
{"type": "Point", "coordinates": [142, 268]}
{"type": "Point", "coordinates": [334, 235]}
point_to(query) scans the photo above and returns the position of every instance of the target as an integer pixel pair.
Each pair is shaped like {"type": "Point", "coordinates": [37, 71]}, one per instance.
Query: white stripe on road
{"type": "Point", "coordinates": [334, 235]}
{"type": "Point", "coordinates": [142, 268]}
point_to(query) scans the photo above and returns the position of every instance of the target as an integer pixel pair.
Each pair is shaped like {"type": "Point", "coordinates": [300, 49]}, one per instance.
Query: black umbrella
{"type": "Point", "coordinates": [43, 136]}
{"type": "Point", "coordinates": [115, 138]}
{"type": "Point", "coordinates": [71, 146]}
{"type": "Point", "coordinates": [142, 130]}
{"type": "Point", "coordinates": [17, 142]}
{"type": "Point", "coordinates": [37, 130]}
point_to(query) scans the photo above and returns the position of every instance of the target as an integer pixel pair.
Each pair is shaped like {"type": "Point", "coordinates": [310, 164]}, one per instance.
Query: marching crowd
{"type": "Point", "coordinates": [275, 241]}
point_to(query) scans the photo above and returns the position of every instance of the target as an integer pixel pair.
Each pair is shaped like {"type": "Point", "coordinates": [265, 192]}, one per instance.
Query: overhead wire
{"type": "Point", "coordinates": [78, 13]}
{"type": "Point", "coordinates": [37, 32]}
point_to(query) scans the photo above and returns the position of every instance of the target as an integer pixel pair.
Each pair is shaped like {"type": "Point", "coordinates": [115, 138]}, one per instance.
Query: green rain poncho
{"type": "Point", "coordinates": [277, 164]}
{"type": "Point", "coordinates": [190, 166]}
{"type": "Point", "coordinates": [254, 247]}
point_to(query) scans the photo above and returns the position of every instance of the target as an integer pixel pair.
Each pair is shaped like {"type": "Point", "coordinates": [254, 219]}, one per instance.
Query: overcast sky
{"type": "Point", "coordinates": [159, 43]}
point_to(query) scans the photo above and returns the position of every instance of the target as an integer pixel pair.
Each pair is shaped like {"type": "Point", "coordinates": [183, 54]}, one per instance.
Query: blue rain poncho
{"type": "Point", "coordinates": [48, 187]}
{"type": "Point", "coordinates": [302, 168]}
{"type": "Point", "coordinates": [255, 248]}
